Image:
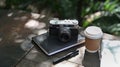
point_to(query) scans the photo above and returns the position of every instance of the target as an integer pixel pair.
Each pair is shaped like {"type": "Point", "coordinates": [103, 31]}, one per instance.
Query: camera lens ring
{"type": "Point", "coordinates": [64, 37]}
{"type": "Point", "coordinates": [64, 34]}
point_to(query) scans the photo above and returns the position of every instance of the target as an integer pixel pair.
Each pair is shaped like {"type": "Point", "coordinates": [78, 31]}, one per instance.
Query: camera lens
{"type": "Point", "coordinates": [65, 34]}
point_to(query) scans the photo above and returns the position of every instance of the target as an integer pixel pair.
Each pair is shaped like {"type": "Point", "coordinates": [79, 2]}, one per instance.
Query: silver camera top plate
{"type": "Point", "coordinates": [63, 22]}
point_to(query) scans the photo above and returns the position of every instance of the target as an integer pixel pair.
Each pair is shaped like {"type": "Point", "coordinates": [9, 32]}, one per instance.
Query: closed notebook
{"type": "Point", "coordinates": [51, 44]}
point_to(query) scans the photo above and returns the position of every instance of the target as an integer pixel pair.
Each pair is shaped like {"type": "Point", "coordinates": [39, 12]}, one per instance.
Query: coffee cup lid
{"type": "Point", "coordinates": [93, 32]}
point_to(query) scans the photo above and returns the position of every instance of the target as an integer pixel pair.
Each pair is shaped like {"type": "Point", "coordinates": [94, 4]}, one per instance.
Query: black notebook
{"type": "Point", "coordinates": [51, 45]}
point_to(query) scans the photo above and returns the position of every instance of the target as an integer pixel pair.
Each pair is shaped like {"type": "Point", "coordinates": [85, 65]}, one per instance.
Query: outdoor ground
{"type": "Point", "coordinates": [16, 50]}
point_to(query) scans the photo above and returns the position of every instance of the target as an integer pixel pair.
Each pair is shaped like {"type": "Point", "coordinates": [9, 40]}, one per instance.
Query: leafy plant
{"type": "Point", "coordinates": [108, 16]}
{"type": "Point", "coordinates": [109, 24]}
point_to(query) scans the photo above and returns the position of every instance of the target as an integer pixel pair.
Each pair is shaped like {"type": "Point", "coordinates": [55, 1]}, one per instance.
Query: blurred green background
{"type": "Point", "coordinates": [102, 13]}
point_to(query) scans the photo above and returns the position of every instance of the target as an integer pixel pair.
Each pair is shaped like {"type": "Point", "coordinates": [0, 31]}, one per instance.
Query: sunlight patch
{"type": "Point", "coordinates": [42, 16]}
{"type": "Point", "coordinates": [33, 24]}
{"type": "Point", "coordinates": [32, 55]}
{"type": "Point", "coordinates": [26, 45]}
{"type": "Point", "coordinates": [45, 64]}
{"type": "Point", "coordinates": [65, 64]}
{"type": "Point", "coordinates": [110, 53]}
{"type": "Point", "coordinates": [42, 31]}
{"type": "Point", "coordinates": [19, 40]}
{"type": "Point", "coordinates": [10, 14]}
{"type": "Point", "coordinates": [0, 39]}
{"type": "Point", "coordinates": [35, 15]}
{"type": "Point", "coordinates": [21, 18]}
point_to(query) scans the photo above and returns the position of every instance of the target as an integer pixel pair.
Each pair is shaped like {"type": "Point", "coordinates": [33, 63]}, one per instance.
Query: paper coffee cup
{"type": "Point", "coordinates": [93, 36]}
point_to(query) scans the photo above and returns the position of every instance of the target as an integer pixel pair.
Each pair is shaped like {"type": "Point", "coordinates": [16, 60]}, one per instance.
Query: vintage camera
{"type": "Point", "coordinates": [64, 30]}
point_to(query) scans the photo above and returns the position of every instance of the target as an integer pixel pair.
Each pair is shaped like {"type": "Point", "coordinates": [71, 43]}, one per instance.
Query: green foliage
{"type": "Point", "coordinates": [70, 9]}
{"type": "Point", "coordinates": [65, 8]}
{"type": "Point", "coordinates": [110, 5]}
{"type": "Point", "coordinates": [109, 24]}
{"type": "Point", "coordinates": [89, 7]}
{"type": "Point", "coordinates": [14, 3]}
{"type": "Point", "coordinates": [109, 21]}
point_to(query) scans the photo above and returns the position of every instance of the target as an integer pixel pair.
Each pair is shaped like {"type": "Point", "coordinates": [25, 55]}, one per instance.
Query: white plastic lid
{"type": "Point", "coordinates": [93, 32]}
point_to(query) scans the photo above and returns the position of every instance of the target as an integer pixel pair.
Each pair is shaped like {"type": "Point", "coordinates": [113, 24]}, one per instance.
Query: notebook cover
{"type": "Point", "coordinates": [51, 45]}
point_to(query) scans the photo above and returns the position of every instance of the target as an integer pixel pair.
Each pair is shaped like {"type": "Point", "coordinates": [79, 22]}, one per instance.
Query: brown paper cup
{"type": "Point", "coordinates": [93, 36]}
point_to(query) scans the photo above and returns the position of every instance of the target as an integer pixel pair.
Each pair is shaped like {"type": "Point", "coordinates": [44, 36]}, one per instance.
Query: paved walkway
{"type": "Point", "coordinates": [16, 30]}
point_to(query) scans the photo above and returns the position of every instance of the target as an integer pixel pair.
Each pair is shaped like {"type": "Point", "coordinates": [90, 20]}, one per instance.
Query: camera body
{"type": "Point", "coordinates": [64, 30]}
